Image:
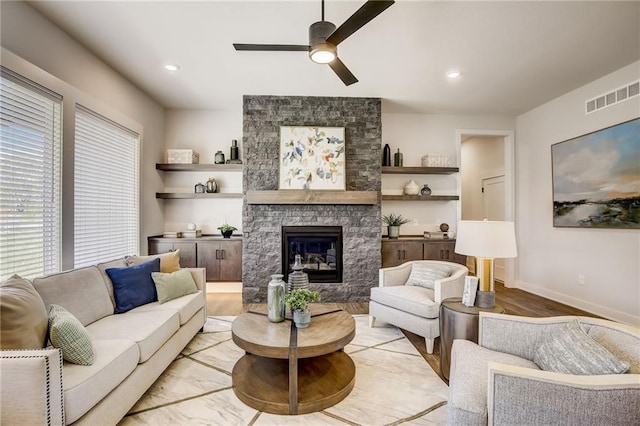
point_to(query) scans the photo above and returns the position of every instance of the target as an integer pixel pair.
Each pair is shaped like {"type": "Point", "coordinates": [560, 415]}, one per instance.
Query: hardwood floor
{"type": "Point", "coordinates": [514, 301]}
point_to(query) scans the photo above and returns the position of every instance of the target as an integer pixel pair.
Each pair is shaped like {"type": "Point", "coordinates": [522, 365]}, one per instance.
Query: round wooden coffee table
{"type": "Point", "coordinates": [293, 371]}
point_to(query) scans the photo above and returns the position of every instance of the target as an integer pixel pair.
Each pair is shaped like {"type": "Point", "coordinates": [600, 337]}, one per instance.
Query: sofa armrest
{"type": "Point", "coordinates": [31, 389]}
{"type": "Point", "coordinates": [452, 286]}
{"type": "Point", "coordinates": [395, 275]}
{"type": "Point", "coordinates": [524, 396]}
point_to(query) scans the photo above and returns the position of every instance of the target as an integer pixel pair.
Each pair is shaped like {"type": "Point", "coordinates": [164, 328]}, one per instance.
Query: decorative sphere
{"type": "Point", "coordinates": [444, 227]}
{"type": "Point", "coordinates": [191, 227]}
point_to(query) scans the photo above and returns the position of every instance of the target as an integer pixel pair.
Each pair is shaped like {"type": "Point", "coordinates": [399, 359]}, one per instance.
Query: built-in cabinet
{"type": "Point", "coordinates": [221, 257]}
{"type": "Point", "coordinates": [398, 251]}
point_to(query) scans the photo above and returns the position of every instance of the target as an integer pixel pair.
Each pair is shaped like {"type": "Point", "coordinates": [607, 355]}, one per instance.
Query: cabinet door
{"type": "Point", "coordinates": [231, 261]}
{"type": "Point", "coordinates": [187, 254]}
{"type": "Point", "coordinates": [209, 258]}
{"type": "Point", "coordinates": [441, 250]}
{"type": "Point", "coordinates": [158, 247]}
{"type": "Point", "coordinates": [411, 250]}
{"type": "Point", "coordinates": [391, 253]}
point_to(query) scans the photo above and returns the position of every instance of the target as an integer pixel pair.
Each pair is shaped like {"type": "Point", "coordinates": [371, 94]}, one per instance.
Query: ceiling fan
{"type": "Point", "coordinates": [324, 39]}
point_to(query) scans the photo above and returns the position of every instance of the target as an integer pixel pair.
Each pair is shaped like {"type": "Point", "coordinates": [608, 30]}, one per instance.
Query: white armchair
{"type": "Point", "coordinates": [415, 308]}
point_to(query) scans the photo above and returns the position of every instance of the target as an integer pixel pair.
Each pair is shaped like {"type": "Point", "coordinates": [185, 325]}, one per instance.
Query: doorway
{"type": "Point", "coordinates": [486, 183]}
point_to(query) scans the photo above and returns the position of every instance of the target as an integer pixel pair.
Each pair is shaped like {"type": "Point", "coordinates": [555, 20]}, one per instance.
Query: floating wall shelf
{"type": "Point", "coordinates": [187, 195]}
{"type": "Point", "coordinates": [420, 198]}
{"type": "Point", "coordinates": [199, 167]}
{"type": "Point", "coordinates": [420, 170]}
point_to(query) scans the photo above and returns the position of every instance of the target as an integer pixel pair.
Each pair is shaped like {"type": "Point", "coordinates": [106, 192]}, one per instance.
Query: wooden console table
{"type": "Point", "coordinates": [293, 371]}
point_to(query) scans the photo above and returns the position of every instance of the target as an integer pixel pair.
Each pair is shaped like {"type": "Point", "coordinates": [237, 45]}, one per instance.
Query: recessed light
{"type": "Point", "coordinates": [454, 74]}
{"type": "Point", "coordinates": [172, 67]}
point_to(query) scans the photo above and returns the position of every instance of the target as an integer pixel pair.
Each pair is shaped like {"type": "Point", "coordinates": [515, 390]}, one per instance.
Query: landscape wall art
{"type": "Point", "coordinates": [596, 179]}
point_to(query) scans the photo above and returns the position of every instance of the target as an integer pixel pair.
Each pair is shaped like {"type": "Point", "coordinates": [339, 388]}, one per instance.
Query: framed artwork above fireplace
{"type": "Point", "coordinates": [312, 158]}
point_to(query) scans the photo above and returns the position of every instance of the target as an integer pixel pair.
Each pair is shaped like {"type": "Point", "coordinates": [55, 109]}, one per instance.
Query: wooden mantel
{"type": "Point", "coordinates": [297, 196]}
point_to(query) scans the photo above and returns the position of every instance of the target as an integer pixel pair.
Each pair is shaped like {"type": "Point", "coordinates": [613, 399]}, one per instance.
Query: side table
{"type": "Point", "coordinates": [458, 321]}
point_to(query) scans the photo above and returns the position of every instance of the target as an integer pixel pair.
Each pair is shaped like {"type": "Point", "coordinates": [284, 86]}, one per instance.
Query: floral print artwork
{"type": "Point", "coordinates": [312, 158]}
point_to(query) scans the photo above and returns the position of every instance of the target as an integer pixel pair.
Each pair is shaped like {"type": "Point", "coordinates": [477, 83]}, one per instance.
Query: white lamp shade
{"type": "Point", "coordinates": [490, 239]}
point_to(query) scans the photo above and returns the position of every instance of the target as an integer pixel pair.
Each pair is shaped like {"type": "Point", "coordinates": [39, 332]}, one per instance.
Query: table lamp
{"type": "Point", "coordinates": [486, 241]}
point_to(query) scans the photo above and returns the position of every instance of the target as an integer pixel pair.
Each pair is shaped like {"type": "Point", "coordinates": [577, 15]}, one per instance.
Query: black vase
{"type": "Point", "coordinates": [386, 156]}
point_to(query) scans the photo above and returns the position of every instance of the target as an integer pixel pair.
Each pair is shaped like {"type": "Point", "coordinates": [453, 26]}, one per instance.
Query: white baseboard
{"type": "Point", "coordinates": [596, 309]}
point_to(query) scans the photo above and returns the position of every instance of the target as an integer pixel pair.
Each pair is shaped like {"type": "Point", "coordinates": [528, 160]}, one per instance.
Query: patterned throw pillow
{"type": "Point", "coordinates": [133, 286]}
{"type": "Point", "coordinates": [169, 262]}
{"type": "Point", "coordinates": [569, 349]}
{"type": "Point", "coordinates": [69, 335]}
{"type": "Point", "coordinates": [425, 274]}
{"type": "Point", "coordinates": [174, 285]}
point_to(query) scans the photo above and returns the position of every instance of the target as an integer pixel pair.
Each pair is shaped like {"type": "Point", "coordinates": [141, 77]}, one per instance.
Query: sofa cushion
{"type": "Point", "coordinates": [169, 262]}
{"type": "Point", "coordinates": [470, 373]}
{"type": "Point", "coordinates": [67, 334]}
{"type": "Point", "coordinates": [186, 306]}
{"type": "Point", "coordinates": [133, 286]}
{"type": "Point", "coordinates": [116, 263]}
{"type": "Point", "coordinates": [80, 291]}
{"type": "Point", "coordinates": [425, 274]}
{"type": "Point", "coordinates": [413, 299]}
{"type": "Point", "coordinates": [173, 285]}
{"type": "Point", "coordinates": [24, 316]}
{"type": "Point", "coordinates": [570, 350]}
{"type": "Point", "coordinates": [85, 386]}
{"type": "Point", "coordinates": [149, 330]}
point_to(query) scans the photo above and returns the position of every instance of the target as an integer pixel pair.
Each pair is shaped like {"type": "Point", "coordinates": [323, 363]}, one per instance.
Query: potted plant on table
{"type": "Point", "coordinates": [298, 301]}
{"type": "Point", "coordinates": [394, 222]}
{"type": "Point", "coordinates": [226, 230]}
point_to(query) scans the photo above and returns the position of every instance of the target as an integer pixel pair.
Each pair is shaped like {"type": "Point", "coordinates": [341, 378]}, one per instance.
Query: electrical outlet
{"type": "Point", "coordinates": [415, 222]}
{"type": "Point", "coordinates": [581, 280]}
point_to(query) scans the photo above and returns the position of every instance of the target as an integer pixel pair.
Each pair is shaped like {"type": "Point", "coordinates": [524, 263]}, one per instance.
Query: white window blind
{"type": "Point", "coordinates": [105, 189]}
{"type": "Point", "coordinates": [30, 168]}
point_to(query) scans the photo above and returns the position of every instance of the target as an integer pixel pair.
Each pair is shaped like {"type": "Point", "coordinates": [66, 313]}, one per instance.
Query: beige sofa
{"type": "Point", "coordinates": [131, 350]}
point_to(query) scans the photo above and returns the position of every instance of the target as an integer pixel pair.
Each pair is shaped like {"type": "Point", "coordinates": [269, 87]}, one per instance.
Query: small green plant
{"type": "Point", "coordinates": [394, 220]}
{"type": "Point", "coordinates": [225, 227]}
{"type": "Point", "coordinates": [299, 299]}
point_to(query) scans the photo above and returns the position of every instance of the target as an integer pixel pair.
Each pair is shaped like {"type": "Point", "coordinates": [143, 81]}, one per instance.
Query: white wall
{"type": "Point", "coordinates": [35, 39]}
{"type": "Point", "coordinates": [481, 157]}
{"type": "Point", "coordinates": [420, 134]}
{"type": "Point", "coordinates": [206, 132]}
{"type": "Point", "coordinates": [550, 259]}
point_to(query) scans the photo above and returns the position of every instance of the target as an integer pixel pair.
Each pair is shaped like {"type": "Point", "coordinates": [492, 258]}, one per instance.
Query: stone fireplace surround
{"type": "Point", "coordinates": [262, 223]}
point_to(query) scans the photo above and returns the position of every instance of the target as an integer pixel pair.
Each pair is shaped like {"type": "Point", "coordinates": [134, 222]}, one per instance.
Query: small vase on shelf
{"type": "Point", "coordinates": [425, 191]}
{"type": "Point", "coordinates": [411, 188]}
{"type": "Point", "coordinates": [386, 156]}
{"type": "Point", "coordinates": [397, 159]}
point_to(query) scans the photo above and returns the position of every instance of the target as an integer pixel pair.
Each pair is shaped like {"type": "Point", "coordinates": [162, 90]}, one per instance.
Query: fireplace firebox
{"type": "Point", "coordinates": [320, 248]}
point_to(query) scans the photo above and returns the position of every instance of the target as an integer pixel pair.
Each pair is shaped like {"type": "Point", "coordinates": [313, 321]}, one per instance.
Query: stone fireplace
{"type": "Point", "coordinates": [320, 251]}
{"type": "Point", "coordinates": [262, 224]}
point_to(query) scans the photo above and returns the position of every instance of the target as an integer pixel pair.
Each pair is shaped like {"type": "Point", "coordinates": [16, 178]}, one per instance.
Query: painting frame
{"type": "Point", "coordinates": [596, 179]}
{"type": "Point", "coordinates": [312, 158]}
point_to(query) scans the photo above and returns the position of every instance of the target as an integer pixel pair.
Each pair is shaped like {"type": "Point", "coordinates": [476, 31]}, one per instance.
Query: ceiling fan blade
{"type": "Point", "coordinates": [360, 18]}
{"type": "Point", "coordinates": [272, 47]}
{"type": "Point", "coordinates": [343, 72]}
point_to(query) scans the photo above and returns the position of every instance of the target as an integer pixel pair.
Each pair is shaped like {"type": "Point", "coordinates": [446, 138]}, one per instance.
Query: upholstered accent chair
{"type": "Point", "coordinates": [499, 381]}
{"type": "Point", "coordinates": [409, 295]}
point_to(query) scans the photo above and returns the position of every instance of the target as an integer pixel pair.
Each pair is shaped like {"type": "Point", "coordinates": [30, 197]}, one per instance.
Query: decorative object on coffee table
{"type": "Point", "coordinates": [226, 230]}
{"type": "Point", "coordinates": [486, 240]}
{"type": "Point", "coordinates": [275, 298]}
{"type": "Point", "coordinates": [394, 222]}
{"type": "Point", "coordinates": [298, 279]}
{"type": "Point", "coordinates": [298, 301]}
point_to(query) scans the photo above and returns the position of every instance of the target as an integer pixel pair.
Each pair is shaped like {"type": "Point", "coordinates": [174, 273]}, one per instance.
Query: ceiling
{"type": "Point", "coordinates": [514, 55]}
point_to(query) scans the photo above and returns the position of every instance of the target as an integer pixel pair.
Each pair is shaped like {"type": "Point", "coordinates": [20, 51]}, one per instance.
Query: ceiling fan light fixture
{"type": "Point", "coordinates": [323, 53]}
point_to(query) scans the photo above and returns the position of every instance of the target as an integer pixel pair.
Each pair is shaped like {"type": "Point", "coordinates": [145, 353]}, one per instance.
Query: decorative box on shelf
{"type": "Point", "coordinates": [169, 234]}
{"type": "Point", "coordinates": [438, 160]}
{"type": "Point", "coordinates": [182, 156]}
{"type": "Point", "coordinates": [192, 234]}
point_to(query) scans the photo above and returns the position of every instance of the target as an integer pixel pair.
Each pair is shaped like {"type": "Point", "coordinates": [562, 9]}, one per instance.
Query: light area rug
{"type": "Point", "coordinates": [394, 385]}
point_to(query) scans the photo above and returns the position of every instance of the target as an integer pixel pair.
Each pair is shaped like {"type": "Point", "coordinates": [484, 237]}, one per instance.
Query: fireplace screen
{"type": "Point", "coordinates": [320, 248]}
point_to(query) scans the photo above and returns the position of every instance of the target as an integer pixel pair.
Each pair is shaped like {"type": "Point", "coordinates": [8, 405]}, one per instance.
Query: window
{"type": "Point", "coordinates": [30, 168]}
{"type": "Point", "coordinates": [105, 189]}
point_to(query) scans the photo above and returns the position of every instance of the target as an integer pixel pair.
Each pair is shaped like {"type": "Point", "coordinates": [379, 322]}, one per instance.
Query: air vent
{"type": "Point", "coordinates": [618, 95]}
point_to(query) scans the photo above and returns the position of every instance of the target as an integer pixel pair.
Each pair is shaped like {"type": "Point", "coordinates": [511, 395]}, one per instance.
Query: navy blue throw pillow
{"type": "Point", "coordinates": [133, 286]}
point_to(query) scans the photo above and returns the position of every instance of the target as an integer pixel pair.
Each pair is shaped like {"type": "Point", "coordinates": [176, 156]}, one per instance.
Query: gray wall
{"type": "Point", "coordinates": [262, 224]}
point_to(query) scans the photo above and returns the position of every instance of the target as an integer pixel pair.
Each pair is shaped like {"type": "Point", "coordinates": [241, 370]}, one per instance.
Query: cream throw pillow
{"type": "Point", "coordinates": [69, 335]}
{"type": "Point", "coordinates": [174, 285]}
{"type": "Point", "coordinates": [169, 262]}
{"type": "Point", "coordinates": [425, 274]}
{"type": "Point", "coordinates": [23, 323]}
